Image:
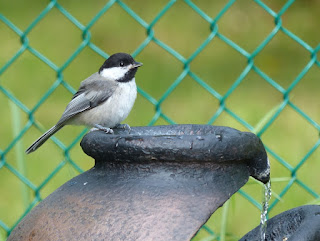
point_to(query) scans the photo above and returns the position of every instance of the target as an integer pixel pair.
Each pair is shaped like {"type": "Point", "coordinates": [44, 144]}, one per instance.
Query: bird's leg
{"type": "Point", "coordinates": [123, 126]}
{"type": "Point", "coordinates": [102, 128]}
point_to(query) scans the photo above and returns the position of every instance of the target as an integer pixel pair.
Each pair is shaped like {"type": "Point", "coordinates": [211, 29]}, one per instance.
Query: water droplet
{"type": "Point", "coordinates": [219, 137]}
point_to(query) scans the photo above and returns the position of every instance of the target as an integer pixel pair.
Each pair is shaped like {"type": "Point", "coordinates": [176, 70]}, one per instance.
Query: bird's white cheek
{"type": "Point", "coordinates": [114, 73]}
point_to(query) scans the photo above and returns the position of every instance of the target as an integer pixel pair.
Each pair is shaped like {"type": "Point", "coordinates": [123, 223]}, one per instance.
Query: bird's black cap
{"type": "Point", "coordinates": [119, 60]}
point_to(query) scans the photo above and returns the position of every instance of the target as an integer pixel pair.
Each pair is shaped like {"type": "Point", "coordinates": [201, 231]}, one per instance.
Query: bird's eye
{"type": "Point", "coordinates": [121, 64]}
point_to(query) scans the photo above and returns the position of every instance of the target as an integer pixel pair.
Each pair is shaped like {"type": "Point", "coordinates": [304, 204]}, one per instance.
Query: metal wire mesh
{"type": "Point", "coordinates": [212, 23]}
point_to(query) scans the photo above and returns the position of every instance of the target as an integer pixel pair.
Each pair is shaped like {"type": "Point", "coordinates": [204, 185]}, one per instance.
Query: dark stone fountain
{"type": "Point", "coordinates": [298, 224]}
{"type": "Point", "coordinates": [154, 183]}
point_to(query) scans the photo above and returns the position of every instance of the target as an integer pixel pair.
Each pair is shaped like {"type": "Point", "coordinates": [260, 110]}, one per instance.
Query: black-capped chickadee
{"type": "Point", "coordinates": [103, 100]}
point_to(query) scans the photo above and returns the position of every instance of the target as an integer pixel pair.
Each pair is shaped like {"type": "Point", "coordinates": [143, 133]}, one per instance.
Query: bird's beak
{"type": "Point", "coordinates": [136, 65]}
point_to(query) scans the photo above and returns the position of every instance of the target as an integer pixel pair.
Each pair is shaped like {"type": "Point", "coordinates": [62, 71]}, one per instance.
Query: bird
{"type": "Point", "coordinates": [103, 100]}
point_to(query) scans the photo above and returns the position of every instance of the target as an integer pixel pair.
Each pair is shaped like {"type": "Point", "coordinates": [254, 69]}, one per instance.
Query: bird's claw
{"type": "Point", "coordinates": [104, 129]}
{"type": "Point", "coordinates": [123, 126]}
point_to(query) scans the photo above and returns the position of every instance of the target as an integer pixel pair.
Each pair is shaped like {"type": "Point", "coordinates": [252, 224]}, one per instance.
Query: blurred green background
{"type": "Point", "coordinates": [287, 123]}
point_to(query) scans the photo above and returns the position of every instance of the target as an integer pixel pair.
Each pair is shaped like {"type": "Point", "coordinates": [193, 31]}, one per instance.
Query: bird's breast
{"type": "Point", "coordinates": [114, 110]}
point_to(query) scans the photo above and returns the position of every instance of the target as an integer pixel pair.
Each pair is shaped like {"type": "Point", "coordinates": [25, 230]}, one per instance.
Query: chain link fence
{"type": "Point", "coordinates": [251, 65]}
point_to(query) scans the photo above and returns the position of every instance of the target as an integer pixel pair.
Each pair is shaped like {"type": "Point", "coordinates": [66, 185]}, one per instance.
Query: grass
{"type": "Point", "coordinates": [290, 136]}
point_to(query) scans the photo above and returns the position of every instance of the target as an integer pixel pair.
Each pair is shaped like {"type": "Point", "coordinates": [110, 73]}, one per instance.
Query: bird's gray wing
{"type": "Point", "coordinates": [92, 92]}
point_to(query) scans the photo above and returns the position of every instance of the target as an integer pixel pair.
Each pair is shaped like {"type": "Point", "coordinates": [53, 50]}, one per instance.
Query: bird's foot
{"type": "Point", "coordinates": [123, 126]}
{"type": "Point", "coordinates": [102, 128]}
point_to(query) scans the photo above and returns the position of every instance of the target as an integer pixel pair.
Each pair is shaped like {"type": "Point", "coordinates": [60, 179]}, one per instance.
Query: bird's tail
{"type": "Point", "coordinates": [42, 139]}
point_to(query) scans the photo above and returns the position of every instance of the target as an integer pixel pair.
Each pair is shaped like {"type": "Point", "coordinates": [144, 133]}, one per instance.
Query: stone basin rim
{"type": "Point", "coordinates": [203, 140]}
{"type": "Point", "coordinates": [174, 130]}
{"type": "Point", "coordinates": [179, 143]}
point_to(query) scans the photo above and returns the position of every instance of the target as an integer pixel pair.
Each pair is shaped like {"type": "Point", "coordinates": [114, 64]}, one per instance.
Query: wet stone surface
{"type": "Point", "coordinates": [298, 224]}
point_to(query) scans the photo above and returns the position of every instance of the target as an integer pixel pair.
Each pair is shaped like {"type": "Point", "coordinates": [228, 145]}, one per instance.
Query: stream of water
{"type": "Point", "coordinates": [264, 211]}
